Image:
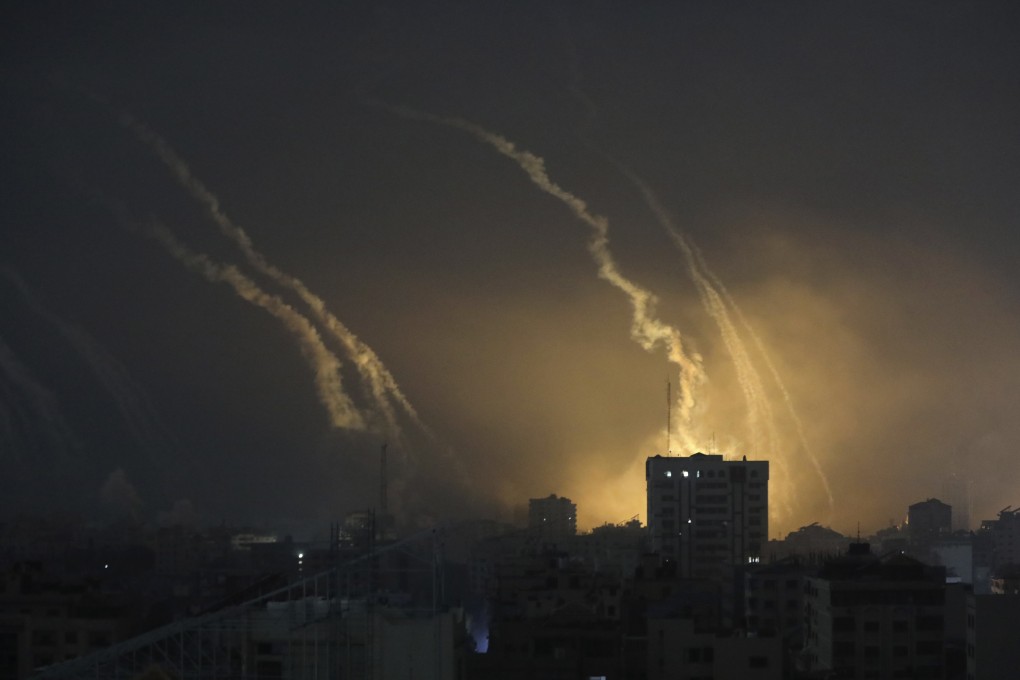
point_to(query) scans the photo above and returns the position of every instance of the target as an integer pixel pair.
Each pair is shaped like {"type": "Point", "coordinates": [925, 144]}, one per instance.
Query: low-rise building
{"type": "Point", "coordinates": [871, 617]}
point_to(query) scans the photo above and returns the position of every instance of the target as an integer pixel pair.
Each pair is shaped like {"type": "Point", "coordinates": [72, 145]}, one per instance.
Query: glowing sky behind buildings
{"type": "Point", "coordinates": [244, 244]}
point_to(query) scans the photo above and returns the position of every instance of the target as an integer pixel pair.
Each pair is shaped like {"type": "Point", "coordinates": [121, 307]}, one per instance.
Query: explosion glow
{"type": "Point", "coordinates": [803, 220]}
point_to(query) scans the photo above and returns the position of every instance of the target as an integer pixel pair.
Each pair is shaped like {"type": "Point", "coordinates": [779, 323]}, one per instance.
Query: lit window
{"type": "Point", "coordinates": [669, 473]}
{"type": "Point", "coordinates": [686, 473]}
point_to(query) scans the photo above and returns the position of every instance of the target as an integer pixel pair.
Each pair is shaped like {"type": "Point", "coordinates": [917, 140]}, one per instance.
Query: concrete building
{"type": "Point", "coordinates": [1002, 539]}
{"type": "Point", "coordinates": [45, 619]}
{"type": "Point", "coordinates": [706, 513]}
{"type": "Point", "coordinates": [870, 617]}
{"type": "Point", "coordinates": [774, 600]}
{"type": "Point", "coordinates": [613, 548]}
{"type": "Point", "coordinates": [812, 541]}
{"type": "Point", "coordinates": [678, 651]}
{"type": "Point", "coordinates": [929, 521]}
{"type": "Point", "coordinates": [553, 518]}
{"type": "Point", "coordinates": [992, 651]}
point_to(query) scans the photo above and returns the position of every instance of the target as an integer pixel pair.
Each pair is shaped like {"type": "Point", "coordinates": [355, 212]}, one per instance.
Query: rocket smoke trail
{"type": "Point", "coordinates": [382, 385]}
{"type": "Point", "coordinates": [760, 421]}
{"type": "Point", "coordinates": [324, 364]}
{"type": "Point", "coordinates": [43, 404]}
{"type": "Point", "coordinates": [773, 371]}
{"type": "Point", "coordinates": [716, 299]}
{"type": "Point", "coordinates": [714, 296]}
{"type": "Point", "coordinates": [132, 403]}
{"type": "Point", "coordinates": [646, 329]}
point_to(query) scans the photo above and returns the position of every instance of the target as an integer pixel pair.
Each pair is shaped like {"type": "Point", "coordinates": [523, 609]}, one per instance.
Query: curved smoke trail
{"type": "Point", "coordinates": [324, 364]}
{"type": "Point", "coordinates": [382, 385]}
{"type": "Point", "coordinates": [646, 329]}
{"type": "Point", "coordinates": [715, 297]}
{"type": "Point", "coordinates": [760, 422]}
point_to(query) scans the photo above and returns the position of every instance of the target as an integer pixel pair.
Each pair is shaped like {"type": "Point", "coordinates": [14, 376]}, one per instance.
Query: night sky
{"type": "Point", "coordinates": [245, 244]}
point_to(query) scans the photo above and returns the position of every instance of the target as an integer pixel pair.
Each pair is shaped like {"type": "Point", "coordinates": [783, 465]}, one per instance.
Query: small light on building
{"type": "Point", "coordinates": [686, 473]}
{"type": "Point", "coordinates": [669, 473]}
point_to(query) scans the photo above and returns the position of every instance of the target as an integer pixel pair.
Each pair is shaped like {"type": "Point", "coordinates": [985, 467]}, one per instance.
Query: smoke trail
{"type": "Point", "coordinates": [774, 372]}
{"type": "Point", "coordinates": [382, 385]}
{"type": "Point", "coordinates": [324, 364]}
{"type": "Point", "coordinates": [761, 423]}
{"type": "Point", "coordinates": [42, 403]}
{"type": "Point", "coordinates": [759, 408]}
{"type": "Point", "coordinates": [132, 403]}
{"type": "Point", "coordinates": [717, 299]}
{"type": "Point", "coordinates": [713, 294]}
{"type": "Point", "coordinates": [646, 329]}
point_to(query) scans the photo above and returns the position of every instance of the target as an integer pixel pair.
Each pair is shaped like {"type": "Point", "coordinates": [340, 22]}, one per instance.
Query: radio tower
{"type": "Point", "coordinates": [669, 409]}
{"type": "Point", "coordinates": [384, 509]}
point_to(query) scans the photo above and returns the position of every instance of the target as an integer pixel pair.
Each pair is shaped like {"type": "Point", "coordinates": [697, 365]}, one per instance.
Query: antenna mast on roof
{"type": "Point", "coordinates": [669, 409]}
{"type": "Point", "coordinates": [383, 495]}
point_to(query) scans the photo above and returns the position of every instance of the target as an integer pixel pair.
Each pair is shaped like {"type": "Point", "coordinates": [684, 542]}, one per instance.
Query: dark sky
{"type": "Point", "coordinates": [821, 197]}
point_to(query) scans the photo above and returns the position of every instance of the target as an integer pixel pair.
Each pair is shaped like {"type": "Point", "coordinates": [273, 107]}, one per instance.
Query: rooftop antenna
{"type": "Point", "coordinates": [669, 409]}
{"type": "Point", "coordinates": [383, 500]}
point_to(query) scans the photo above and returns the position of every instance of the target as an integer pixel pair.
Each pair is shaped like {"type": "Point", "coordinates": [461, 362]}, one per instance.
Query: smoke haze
{"type": "Point", "coordinates": [817, 237]}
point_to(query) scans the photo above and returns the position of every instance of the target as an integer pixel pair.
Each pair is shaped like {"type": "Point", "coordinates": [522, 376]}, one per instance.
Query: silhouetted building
{"type": "Point", "coordinates": [45, 619]}
{"type": "Point", "coordinates": [613, 548]}
{"type": "Point", "coordinates": [870, 617]}
{"type": "Point", "coordinates": [552, 518]}
{"type": "Point", "coordinates": [928, 521]}
{"type": "Point", "coordinates": [677, 651]}
{"type": "Point", "coordinates": [1000, 539]}
{"type": "Point", "coordinates": [774, 600]}
{"type": "Point", "coordinates": [706, 513]}
{"type": "Point", "coordinates": [992, 649]}
{"type": "Point", "coordinates": [811, 541]}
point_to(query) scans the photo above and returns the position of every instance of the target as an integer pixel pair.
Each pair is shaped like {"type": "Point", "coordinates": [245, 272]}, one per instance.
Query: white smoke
{"type": "Point", "coordinates": [383, 387]}
{"type": "Point", "coordinates": [324, 364]}
{"type": "Point", "coordinates": [647, 329]}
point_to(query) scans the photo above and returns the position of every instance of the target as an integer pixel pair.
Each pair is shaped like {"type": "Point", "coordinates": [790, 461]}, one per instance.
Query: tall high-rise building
{"type": "Point", "coordinates": [706, 513]}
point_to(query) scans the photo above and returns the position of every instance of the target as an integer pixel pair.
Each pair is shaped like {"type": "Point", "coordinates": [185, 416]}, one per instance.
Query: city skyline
{"type": "Point", "coordinates": [246, 247]}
